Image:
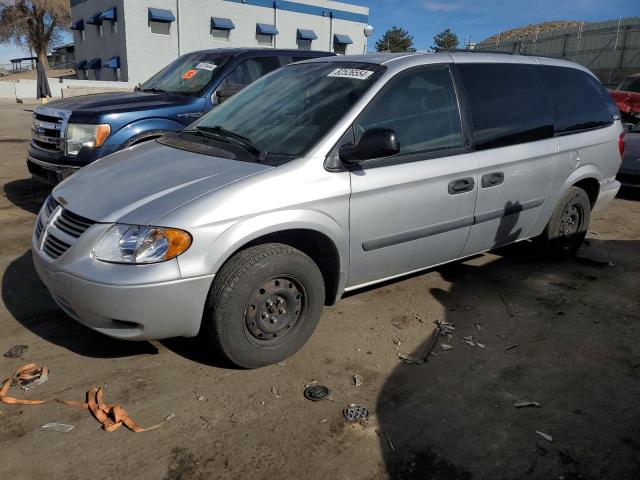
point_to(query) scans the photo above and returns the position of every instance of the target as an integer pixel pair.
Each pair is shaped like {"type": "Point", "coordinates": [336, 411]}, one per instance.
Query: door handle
{"type": "Point", "coordinates": [492, 179]}
{"type": "Point", "coordinates": [461, 185]}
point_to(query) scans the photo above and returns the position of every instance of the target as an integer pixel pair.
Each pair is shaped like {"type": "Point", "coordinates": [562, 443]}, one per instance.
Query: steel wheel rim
{"type": "Point", "coordinates": [571, 220]}
{"type": "Point", "coordinates": [275, 310]}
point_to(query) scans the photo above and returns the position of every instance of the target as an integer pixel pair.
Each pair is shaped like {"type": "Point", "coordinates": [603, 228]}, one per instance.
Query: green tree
{"type": "Point", "coordinates": [445, 40]}
{"type": "Point", "coordinates": [395, 40]}
{"type": "Point", "coordinates": [34, 23]}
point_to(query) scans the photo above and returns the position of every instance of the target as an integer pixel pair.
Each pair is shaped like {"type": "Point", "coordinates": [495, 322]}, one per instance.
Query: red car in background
{"type": "Point", "coordinates": [627, 98]}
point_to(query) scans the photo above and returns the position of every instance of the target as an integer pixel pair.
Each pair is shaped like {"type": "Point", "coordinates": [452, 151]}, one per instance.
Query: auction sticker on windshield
{"type": "Point", "coordinates": [206, 66]}
{"type": "Point", "coordinates": [351, 73]}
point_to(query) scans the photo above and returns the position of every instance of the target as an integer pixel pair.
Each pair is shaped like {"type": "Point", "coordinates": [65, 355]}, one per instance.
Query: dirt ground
{"type": "Point", "coordinates": [563, 334]}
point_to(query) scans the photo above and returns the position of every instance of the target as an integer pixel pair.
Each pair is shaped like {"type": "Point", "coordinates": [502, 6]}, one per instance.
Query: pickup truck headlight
{"type": "Point", "coordinates": [81, 135]}
{"type": "Point", "coordinates": [137, 244]}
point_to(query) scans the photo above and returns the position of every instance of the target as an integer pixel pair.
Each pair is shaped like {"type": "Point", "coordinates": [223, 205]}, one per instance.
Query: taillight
{"type": "Point", "coordinates": [621, 144]}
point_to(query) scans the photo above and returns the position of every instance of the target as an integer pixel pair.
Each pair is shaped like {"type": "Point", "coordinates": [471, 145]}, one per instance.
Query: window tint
{"type": "Point", "coordinates": [245, 73]}
{"type": "Point", "coordinates": [631, 84]}
{"type": "Point", "coordinates": [509, 104]}
{"type": "Point", "coordinates": [421, 108]}
{"type": "Point", "coordinates": [579, 101]}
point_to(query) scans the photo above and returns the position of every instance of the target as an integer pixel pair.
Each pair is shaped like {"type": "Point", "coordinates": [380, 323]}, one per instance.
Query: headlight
{"type": "Point", "coordinates": [141, 244]}
{"type": "Point", "coordinates": [80, 135]}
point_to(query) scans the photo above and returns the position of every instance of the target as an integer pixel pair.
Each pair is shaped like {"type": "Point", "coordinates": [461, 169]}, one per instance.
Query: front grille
{"type": "Point", "coordinates": [47, 132]}
{"type": "Point", "coordinates": [38, 228]}
{"type": "Point", "coordinates": [51, 205]}
{"type": "Point", "coordinates": [72, 224]}
{"type": "Point", "coordinates": [54, 247]}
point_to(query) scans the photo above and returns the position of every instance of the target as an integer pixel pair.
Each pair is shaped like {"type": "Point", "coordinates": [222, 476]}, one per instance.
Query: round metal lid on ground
{"type": "Point", "coordinates": [316, 393]}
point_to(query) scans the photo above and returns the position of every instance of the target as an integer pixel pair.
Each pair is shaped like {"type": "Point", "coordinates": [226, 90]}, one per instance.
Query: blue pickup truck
{"type": "Point", "coordinates": [70, 133]}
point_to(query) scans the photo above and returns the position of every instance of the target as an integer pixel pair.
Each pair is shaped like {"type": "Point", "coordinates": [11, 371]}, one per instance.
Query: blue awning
{"type": "Point", "coordinates": [95, 20]}
{"type": "Point", "coordinates": [94, 64]}
{"type": "Point", "coordinates": [110, 15]}
{"type": "Point", "coordinates": [160, 15]}
{"type": "Point", "coordinates": [306, 34]}
{"type": "Point", "coordinates": [79, 25]}
{"type": "Point", "coordinates": [113, 62]}
{"type": "Point", "coordinates": [222, 24]}
{"type": "Point", "coordinates": [342, 39]}
{"type": "Point", "coordinates": [266, 29]}
{"type": "Point", "coordinates": [81, 65]}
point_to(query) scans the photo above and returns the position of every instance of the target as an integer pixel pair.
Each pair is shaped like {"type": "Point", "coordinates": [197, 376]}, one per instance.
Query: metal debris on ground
{"type": "Point", "coordinates": [57, 427]}
{"type": "Point", "coordinates": [525, 403]}
{"type": "Point", "coordinates": [358, 380]}
{"type": "Point", "coordinates": [509, 310]}
{"type": "Point", "coordinates": [511, 346]}
{"type": "Point", "coordinates": [445, 327]}
{"type": "Point", "coordinates": [546, 436]}
{"type": "Point", "coordinates": [200, 398]}
{"type": "Point", "coordinates": [283, 363]}
{"type": "Point", "coordinates": [471, 342]}
{"type": "Point", "coordinates": [316, 393]}
{"type": "Point", "coordinates": [36, 379]}
{"type": "Point", "coordinates": [16, 351]}
{"type": "Point", "coordinates": [479, 327]}
{"type": "Point", "coordinates": [275, 392]}
{"type": "Point", "coordinates": [403, 357]}
{"type": "Point", "coordinates": [419, 318]}
{"type": "Point", "coordinates": [445, 347]}
{"type": "Point", "coordinates": [312, 382]}
{"type": "Point", "coordinates": [393, 449]}
{"type": "Point", "coordinates": [355, 413]}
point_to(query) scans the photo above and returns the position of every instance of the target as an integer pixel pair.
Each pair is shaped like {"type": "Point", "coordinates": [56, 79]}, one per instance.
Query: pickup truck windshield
{"type": "Point", "coordinates": [288, 111]}
{"type": "Point", "coordinates": [188, 75]}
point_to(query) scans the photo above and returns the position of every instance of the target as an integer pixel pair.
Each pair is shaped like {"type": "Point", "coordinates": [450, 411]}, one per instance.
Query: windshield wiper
{"type": "Point", "coordinates": [221, 132]}
{"type": "Point", "coordinates": [154, 90]}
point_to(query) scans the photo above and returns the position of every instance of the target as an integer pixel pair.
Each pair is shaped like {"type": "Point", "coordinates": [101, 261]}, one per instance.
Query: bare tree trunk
{"type": "Point", "coordinates": [42, 58]}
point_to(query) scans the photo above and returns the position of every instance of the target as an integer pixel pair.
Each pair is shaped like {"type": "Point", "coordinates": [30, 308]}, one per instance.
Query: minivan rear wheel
{"type": "Point", "coordinates": [264, 305]}
{"type": "Point", "coordinates": [568, 225]}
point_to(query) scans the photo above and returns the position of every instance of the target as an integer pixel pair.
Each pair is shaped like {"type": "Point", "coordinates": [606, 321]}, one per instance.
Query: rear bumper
{"type": "Point", "coordinates": [608, 191]}
{"type": "Point", "coordinates": [128, 312]}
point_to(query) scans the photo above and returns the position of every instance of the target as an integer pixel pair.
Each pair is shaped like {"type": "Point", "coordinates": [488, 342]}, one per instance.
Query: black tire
{"type": "Point", "coordinates": [234, 319]}
{"type": "Point", "coordinates": [567, 226]}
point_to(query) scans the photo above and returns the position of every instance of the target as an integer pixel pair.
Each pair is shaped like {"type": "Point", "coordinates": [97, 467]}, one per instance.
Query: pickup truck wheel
{"type": "Point", "coordinates": [568, 225]}
{"type": "Point", "coordinates": [264, 305]}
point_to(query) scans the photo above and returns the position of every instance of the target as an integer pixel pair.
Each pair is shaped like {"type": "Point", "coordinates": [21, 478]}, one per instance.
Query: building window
{"type": "Point", "coordinates": [304, 44]}
{"type": "Point", "coordinates": [264, 39]}
{"type": "Point", "coordinates": [161, 28]}
{"type": "Point", "coordinates": [339, 49]}
{"type": "Point", "coordinates": [222, 35]}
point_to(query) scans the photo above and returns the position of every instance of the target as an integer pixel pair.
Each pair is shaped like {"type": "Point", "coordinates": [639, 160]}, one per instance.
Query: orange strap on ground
{"type": "Point", "coordinates": [111, 417]}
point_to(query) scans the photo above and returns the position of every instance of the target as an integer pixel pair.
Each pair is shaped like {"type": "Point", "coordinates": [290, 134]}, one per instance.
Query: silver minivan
{"type": "Point", "coordinates": [321, 178]}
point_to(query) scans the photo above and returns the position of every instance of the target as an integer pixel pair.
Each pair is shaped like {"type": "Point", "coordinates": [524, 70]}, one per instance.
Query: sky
{"type": "Point", "coordinates": [477, 18]}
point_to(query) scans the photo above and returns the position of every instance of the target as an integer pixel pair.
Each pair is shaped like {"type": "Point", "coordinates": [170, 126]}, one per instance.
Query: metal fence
{"type": "Point", "coordinates": [611, 49]}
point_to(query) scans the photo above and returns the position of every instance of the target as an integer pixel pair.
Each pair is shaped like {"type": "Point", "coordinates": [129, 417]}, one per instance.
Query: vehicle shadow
{"type": "Point", "coordinates": [27, 194]}
{"type": "Point", "coordinates": [627, 193]}
{"type": "Point", "coordinates": [563, 334]}
{"type": "Point", "coordinates": [28, 300]}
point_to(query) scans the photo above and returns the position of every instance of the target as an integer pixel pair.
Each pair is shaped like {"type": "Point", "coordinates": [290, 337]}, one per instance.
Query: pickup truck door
{"type": "Point", "coordinates": [415, 209]}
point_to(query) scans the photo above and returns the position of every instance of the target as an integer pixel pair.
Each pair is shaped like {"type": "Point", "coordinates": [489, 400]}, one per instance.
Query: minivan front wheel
{"type": "Point", "coordinates": [264, 305]}
{"type": "Point", "coordinates": [568, 224]}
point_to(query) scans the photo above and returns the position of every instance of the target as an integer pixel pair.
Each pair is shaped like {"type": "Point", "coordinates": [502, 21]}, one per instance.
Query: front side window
{"type": "Point", "coordinates": [289, 111]}
{"type": "Point", "coordinates": [188, 75]}
{"type": "Point", "coordinates": [244, 74]}
{"type": "Point", "coordinates": [509, 104]}
{"type": "Point", "coordinates": [579, 101]}
{"type": "Point", "coordinates": [421, 108]}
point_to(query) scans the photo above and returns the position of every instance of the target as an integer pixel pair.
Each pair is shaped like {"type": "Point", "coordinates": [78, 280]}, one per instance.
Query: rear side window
{"type": "Point", "coordinates": [579, 101]}
{"type": "Point", "coordinates": [244, 74]}
{"type": "Point", "coordinates": [509, 104]}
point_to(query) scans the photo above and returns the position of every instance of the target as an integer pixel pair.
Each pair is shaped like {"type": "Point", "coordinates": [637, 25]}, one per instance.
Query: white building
{"type": "Point", "coordinates": [130, 40]}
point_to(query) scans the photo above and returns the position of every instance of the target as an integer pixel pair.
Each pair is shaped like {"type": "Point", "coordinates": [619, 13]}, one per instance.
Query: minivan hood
{"type": "Point", "coordinates": [140, 184]}
{"type": "Point", "coordinates": [84, 106]}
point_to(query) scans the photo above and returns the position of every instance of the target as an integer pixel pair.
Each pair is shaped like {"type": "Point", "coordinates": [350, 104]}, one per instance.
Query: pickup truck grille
{"type": "Point", "coordinates": [61, 231]}
{"type": "Point", "coordinates": [48, 128]}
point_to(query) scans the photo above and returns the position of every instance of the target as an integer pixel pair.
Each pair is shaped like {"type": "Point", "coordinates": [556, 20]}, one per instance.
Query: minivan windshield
{"type": "Point", "coordinates": [290, 110]}
{"type": "Point", "coordinates": [187, 75]}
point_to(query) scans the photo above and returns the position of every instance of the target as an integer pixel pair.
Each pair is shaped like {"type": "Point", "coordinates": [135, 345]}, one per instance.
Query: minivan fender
{"type": "Point", "coordinates": [122, 137]}
{"type": "Point", "coordinates": [583, 172]}
{"type": "Point", "coordinates": [278, 222]}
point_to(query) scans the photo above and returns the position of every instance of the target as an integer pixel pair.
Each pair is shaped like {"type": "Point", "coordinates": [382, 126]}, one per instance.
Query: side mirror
{"type": "Point", "coordinates": [374, 143]}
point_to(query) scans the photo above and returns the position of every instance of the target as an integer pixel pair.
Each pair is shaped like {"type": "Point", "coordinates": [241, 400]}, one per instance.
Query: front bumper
{"type": "Point", "coordinates": [49, 173]}
{"type": "Point", "coordinates": [145, 311]}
